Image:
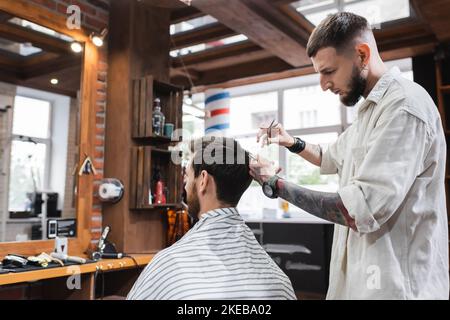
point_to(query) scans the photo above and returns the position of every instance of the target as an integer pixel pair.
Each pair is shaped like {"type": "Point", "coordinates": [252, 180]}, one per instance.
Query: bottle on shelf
{"type": "Point", "coordinates": [150, 195]}
{"type": "Point", "coordinates": [160, 197]}
{"type": "Point", "coordinates": [158, 119]}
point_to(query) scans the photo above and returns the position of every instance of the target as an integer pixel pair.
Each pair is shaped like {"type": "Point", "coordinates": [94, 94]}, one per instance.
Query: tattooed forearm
{"type": "Point", "coordinates": [324, 205]}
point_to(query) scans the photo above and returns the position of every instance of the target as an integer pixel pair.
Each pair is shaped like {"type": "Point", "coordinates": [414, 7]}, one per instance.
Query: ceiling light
{"type": "Point", "coordinates": [54, 81]}
{"type": "Point", "coordinates": [76, 47]}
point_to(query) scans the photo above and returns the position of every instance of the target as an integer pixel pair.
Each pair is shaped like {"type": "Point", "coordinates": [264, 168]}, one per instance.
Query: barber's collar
{"type": "Point", "coordinates": [215, 214]}
{"type": "Point", "coordinates": [380, 87]}
{"type": "Point", "coordinates": [219, 212]}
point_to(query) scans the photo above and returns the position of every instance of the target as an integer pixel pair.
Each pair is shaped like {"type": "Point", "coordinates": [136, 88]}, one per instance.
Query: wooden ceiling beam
{"type": "Point", "coordinates": [267, 33]}
{"type": "Point", "coordinates": [297, 72]}
{"type": "Point", "coordinates": [258, 67]}
{"type": "Point", "coordinates": [188, 74]}
{"type": "Point", "coordinates": [282, 2]}
{"type": "Point", "coordinates": [45, 42]}
{"type": "Point", "coordinates": [9, 59]}
{"type": "Point", "coordinates": [435, 13]}
{"type": "Point", "coordinates": [4, 16]}
{"type": "Point", "coordinates": [297, 17]}
{"type": "Point", "coordinates": [215, 54]}
{"type": "Point", "coordinates": [51, 66]}
{"type": "Point", "coordinates": [205, 34]}
{"type": "Point", "coordinates": [187, 13]}
{"type": "Point", "coordinates": [272, 13]}
{"type": "Point", "coordinates": [38, 58]}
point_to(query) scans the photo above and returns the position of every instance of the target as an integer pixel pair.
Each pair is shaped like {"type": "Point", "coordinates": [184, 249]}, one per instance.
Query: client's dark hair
{"type": "Point", "coordinates": [227, 162]}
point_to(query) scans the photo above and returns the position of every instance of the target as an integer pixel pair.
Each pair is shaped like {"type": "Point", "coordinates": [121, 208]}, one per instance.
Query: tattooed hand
{"type": "Point", "coordinates": [262, 169]}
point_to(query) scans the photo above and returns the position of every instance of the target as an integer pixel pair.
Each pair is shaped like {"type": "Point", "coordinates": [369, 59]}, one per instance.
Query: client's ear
{"type": "Point", "coordinates": [203, 178]}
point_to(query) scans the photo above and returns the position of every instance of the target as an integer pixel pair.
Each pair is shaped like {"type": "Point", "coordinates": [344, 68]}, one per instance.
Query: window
{"type": "Point", "coordinates": [193, 117]}
{"type": "Point", "coordinates": [375, 11]}
{"type": "Point", "coordinates": [243, 111]}
{"type": "Point", "coordinates": [31, 117]}
{"type": "Point", "coordinates": [30, 151]}
{"type": "Point", "coordinates": [191, 24]}
{"type": "Point", "coordinates": [303, 173]}
{"type": "Point", "coordinates": [208, 45]}
{"type": "Point", "coordinates": [309, 106]}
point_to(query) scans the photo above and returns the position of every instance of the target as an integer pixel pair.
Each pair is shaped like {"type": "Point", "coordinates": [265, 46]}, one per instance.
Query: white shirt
{"type": "Point", "coordinates": [219, 258]}
{"type": "Point", "coordinates": [391, 164]}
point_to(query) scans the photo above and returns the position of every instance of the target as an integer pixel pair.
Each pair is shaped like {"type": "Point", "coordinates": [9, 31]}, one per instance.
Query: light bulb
{"type": "Point", "coordinates": [76, 47]}
{"type": "Point", "coordinates": [97, 41]}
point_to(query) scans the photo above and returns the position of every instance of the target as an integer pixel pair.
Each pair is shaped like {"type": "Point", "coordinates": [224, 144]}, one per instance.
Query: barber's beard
{"type": "Point", "coordinates": [193, 203]}
{"type": "Point", "coordinates": [357, 85]}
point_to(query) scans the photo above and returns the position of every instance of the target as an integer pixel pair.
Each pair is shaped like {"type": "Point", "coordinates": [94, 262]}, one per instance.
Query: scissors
{"type": "Point", "coordinates": [269, 131]}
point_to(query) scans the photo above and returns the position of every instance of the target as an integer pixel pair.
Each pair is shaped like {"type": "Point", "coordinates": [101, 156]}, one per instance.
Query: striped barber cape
{"type": "Point", "coordinates": [219, 258]}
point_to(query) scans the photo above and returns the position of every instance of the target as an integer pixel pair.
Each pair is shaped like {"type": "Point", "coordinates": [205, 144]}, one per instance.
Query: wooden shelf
{"type": "Point", "coordinates": [161, 206]}
{"type": "Point", "coordinates": [154, 140]}
{"type": "Point", "coordinates": [144, 160]}
{"type": "Point", "coordinates": [145, 90]}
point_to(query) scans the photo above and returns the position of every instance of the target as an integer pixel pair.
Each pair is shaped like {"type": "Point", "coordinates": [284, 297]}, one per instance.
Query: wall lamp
{"type": "Point", "coordinates": [98, 39]}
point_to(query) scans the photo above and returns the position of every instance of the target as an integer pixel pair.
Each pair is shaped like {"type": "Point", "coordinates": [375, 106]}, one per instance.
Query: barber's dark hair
{"type": "Point", "coordinates": [232, 179]}
{"type": "Point", "coordinates": [337, 31]}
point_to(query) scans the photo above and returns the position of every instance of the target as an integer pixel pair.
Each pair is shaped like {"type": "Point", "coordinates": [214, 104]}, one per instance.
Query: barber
{"type": "Point", "coordinates": [390, 236]}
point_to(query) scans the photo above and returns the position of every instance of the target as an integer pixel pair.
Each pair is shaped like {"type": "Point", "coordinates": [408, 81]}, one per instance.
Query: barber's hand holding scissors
{"type": "Point", "coordinates": [274, 133]}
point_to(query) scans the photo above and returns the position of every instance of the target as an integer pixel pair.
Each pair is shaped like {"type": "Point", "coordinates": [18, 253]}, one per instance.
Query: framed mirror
{"type": "Point", "coordinates": [47, 120]}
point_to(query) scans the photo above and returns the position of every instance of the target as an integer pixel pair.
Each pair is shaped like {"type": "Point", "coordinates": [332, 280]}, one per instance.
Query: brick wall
{"type": "Point", "coordinates": [94, 16]}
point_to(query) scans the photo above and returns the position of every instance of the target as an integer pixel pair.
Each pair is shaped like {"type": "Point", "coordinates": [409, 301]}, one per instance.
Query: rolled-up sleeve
{"type": "Point", "coordinates": [386, 171]}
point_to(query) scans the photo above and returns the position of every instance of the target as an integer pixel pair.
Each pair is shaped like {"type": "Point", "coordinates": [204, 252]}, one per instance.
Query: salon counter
{"type": "Point", "coordinates": [117, 277]}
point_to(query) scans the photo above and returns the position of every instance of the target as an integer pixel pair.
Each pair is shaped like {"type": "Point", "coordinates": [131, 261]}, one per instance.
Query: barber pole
{"type": "Point", "coordinates": [217, 107]}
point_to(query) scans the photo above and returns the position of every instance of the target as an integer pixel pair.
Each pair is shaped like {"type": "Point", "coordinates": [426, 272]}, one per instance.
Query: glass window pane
{"type": "Point", "coordinates": [375, 11]}
{"type": "Point", "coordinates": [270, 152]}
{"type": "Point", "coordinates": [31, 117]}
{"type": "Point", "coordinates": [208, 45]}
{"type": "Point", "coordinates": [191, 24]}
{"type": "Point", "coordinates": [310, 4]}
{"type": "Point", "coordinates": [26, 174]}
{"type": "Point", "coordinates": [249, 112]}
{"type": "Point", "coordinates": [305, 174]}
{"type": "Point", "coordinates": [378, 11]}
{"type": "Point", "coordinates": [23, 49]}
{"type": "Point", "coordinates": [301, 172]}
{"type": "Point", "coordinates": [316, 17]}
{"type": "Point", "coordinates": [253, 201]}
{"type": "Point", "coordinates": [309, 107]}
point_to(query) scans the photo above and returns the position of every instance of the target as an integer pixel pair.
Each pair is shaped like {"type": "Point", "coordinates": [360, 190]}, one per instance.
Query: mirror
{"type": "Point", "coordinates": [40, 79]}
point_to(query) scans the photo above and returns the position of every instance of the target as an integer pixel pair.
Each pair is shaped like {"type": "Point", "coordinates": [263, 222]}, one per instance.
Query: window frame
{"type": "Point", "coordinates": [46, 141]}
